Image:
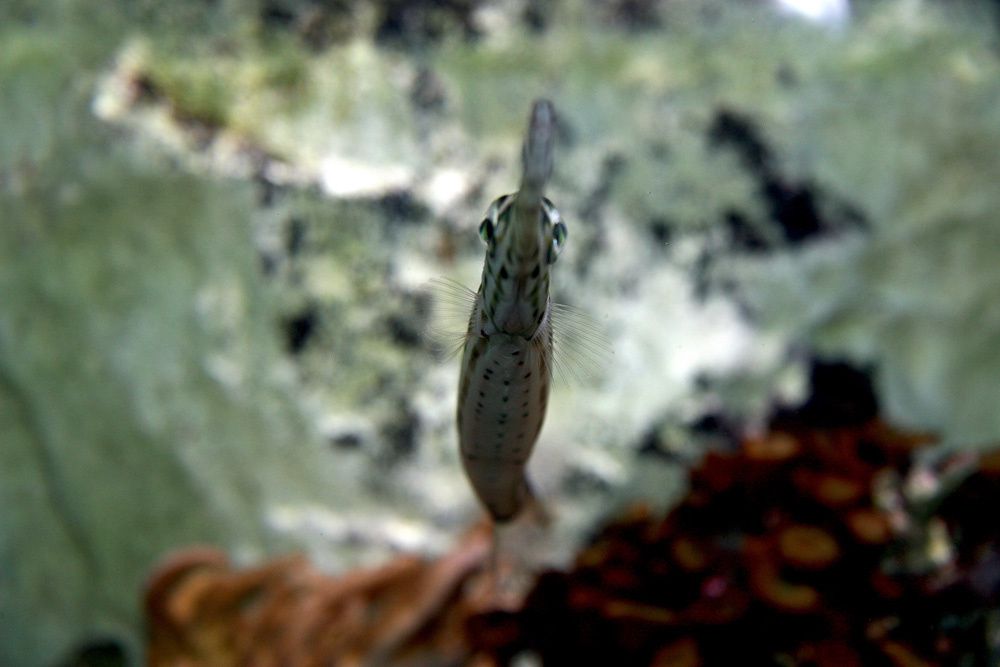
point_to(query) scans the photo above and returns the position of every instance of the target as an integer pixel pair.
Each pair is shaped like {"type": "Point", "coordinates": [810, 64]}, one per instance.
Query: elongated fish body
{"type": "Point", "coordinates": [507, 357]}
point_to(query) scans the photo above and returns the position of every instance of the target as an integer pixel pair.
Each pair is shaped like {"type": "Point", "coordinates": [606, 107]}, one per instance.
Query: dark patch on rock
{"type": "Point", "coordinates": [580, 481]}
{"type": "Point", "coordinates": [277, 14]}
{"type": "Point", "coordinates": [652, 446]}
{"type": "Point", "coordinates": [299, 329]}
{"type": "Point", "coordinates": [786, 76]}
{"type": "Point", "coordinates": [267, 190]}
{"type": "Point", "coordinates": [611, 169]}
{"type": "Point", "coordinates": [347, 440]}
{"type": "Point", "coordinates": [662, 230]}
{"type": "Point", "coordinates": [632, 15]}
{"type": "Point", "coordinates": [659, 150]}
{"type": "Point", "coordinates": [401, 435]}
{"type": "Point", "coordinates": [318, 23]}
{"type": "Point", "coordinates": [840, 395]}
{"type": "Point", "coordinates": [403, 330]}
{"type": "Point", "coordinates": [590, 211]}
{"type": "Point", "coordinates": [743, 233]}
{"type": "Point", "coordinates": [268, 263]}
{"type": "Point", "coordinates": [144, 89]}
{"type": "Point", "coordinates": [702, 283]}
{"type": "Point", "coordinates": [421, 22]}
{"type": "Point", "coordinates": [427, 92]}
{"type": "Point", "coordinates": [795, 207]}
{"type": "Point", "coordinates": [295, 236]}
{"type": "Point", "coordinates": [98, 653]}
{"type": "Point", "coordinates": [537, 16]}
{"type": "Point", "coordinates": [401, 206]}
{"type": "Point", "coordinates": [714, 425]}
{"type": "Point", "coordinates": [737, 132]}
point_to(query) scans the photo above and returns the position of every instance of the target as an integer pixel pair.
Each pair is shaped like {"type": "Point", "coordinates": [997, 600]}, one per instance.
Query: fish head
{"type": "Point", "coordinates": [522, 245]}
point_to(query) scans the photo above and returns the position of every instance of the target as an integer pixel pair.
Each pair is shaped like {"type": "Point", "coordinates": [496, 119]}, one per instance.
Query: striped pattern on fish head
{"type": "Point", "coordinates": [524, 234]}
{"type": "Point", "coordinates": [514, 292]}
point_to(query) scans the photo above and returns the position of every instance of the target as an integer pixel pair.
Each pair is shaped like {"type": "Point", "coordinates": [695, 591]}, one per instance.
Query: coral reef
{"type": "Point", "coordinates": [805, 546]}
{"type": "Point", "coordinates": [203, 611]}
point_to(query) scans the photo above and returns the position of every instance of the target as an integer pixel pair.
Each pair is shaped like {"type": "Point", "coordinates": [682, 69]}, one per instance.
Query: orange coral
{"type": "Point", "coordinates": [203, 611]}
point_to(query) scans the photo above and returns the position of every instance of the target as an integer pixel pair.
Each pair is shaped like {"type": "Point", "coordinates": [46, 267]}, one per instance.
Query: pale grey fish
{"type": "Point", "coordinates": [507, 358]}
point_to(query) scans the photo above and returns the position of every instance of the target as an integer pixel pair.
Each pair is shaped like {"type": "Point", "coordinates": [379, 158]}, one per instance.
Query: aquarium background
{"type": "Point", "coordinates": [219, 222]}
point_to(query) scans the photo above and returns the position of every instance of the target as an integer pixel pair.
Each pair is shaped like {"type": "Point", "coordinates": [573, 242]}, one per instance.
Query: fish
{"type": "Point", "coordinates": [507, 356]}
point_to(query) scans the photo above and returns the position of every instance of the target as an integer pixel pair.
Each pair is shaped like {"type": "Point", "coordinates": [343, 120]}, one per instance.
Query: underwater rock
{"type": "Point", "coordinates": [143, 397]}
{"type": "Point", "coordinates": [154, 384]}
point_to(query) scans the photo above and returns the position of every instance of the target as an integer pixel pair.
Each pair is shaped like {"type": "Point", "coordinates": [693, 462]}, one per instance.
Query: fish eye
{"type": "Point", "coordinates": [486, 230]}
{"type": "Point", "coordinates": [559, 234]}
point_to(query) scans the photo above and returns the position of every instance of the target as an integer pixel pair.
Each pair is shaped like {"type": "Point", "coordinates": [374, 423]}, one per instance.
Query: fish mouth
{"type": "Point", "coordinates": [536, 164]}
{"type": "Point", "coordinates": [536, 154]}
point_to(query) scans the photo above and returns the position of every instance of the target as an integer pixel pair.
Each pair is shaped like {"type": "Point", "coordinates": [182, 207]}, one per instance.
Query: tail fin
{"type": "Point", "coordinates": [534, 508]}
